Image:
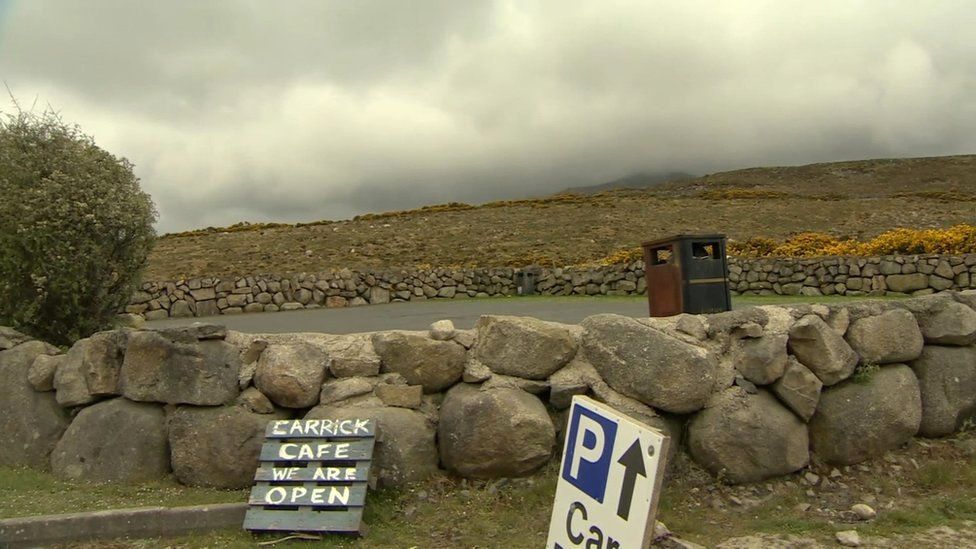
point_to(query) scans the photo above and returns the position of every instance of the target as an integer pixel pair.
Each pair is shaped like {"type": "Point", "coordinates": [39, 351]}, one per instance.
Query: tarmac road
{"type": "Point", "coordinates": [419, 315]}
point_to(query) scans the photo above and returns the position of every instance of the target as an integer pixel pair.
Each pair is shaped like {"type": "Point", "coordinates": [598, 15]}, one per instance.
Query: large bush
{"type": "Point", "coordinates": [75, 229]}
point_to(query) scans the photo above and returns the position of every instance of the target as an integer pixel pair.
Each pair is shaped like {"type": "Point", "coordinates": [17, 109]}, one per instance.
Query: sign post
{"type": "Point", "coordinates": [313, 476]}
{"type": "Point", "coordinates": [609, 480]}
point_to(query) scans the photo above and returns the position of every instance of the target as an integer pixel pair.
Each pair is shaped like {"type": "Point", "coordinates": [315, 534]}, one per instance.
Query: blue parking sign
{"type": "Point", "coordinates": [586, 464]}
{"type": "Point", "coordinates": [609, 480]}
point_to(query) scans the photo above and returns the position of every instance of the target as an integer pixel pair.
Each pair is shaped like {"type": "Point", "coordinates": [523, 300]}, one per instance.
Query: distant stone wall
{"type": "Point", "coordinates": [853, 276]}
{"type": "Point", "coordinates": [208, 296]}
{"type": "Point", "coordinates": [748, 394]}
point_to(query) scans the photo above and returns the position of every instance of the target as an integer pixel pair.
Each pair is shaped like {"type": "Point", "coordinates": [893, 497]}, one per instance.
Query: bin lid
{"type": "Point", "coordinates": [679, 237]}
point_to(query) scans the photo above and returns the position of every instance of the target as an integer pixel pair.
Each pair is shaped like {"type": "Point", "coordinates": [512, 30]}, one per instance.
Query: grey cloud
{"type": "Point", "coordinates": [306, 110]}
{"type": "Point", "coordinates": [198, 55]}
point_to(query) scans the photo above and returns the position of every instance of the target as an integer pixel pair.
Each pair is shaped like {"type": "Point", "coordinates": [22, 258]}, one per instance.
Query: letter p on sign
{"type": "Point", "coordinates": [587, 459]}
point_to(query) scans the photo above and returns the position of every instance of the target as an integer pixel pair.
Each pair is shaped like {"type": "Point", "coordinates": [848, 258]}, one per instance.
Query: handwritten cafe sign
{"type": "Point", "coordinates": [312, 476]}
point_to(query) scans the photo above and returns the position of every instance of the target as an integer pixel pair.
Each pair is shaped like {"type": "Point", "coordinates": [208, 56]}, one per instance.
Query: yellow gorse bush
{"type": "Point", "coordinates": [624, 256]}
{"type": "Point", "coordinates": [812, 245]}
{"type": "Point", "coordinates": [757, 246]}
{"type": "Point", "coordinates": [959, 239]}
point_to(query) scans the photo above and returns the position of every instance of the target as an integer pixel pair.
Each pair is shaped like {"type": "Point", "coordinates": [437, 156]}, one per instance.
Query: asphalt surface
{"type": "Point", "coordinates": [418, 315]}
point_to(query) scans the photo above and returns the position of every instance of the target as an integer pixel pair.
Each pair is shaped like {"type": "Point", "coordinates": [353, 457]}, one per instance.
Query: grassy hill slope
{"type": "Point", "coordinates": [848, 199]}
{"type": "Point", "coordinates": [634, 181]}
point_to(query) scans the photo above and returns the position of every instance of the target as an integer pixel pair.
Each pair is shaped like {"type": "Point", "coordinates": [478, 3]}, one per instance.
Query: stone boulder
{"type": "Point", "coordinates": [430, 407]}
{"type": "Point", "coordinates": [864, 418]}
{"type": "Point", "coordinates": [893, 336]}
{"type": "Point", "coordinates": [781, 319]}
{"type": "Point", "coordinates": [352, 356]}
{"type": "Point", "coordinates": [523, 347]}
{"type": "Point", "coordinates": [69, 379]}
{"type": "Point", "coordinates": [160, 369]}
{"type": "Point", "coordinates": [102, 362]}
{"type": "Point", "coordinates": [532, 386]}
{"type": "Point", "coordinates": [907, 283]}
{"type": "Point", "coordinates": [31, 422]}
{"type": "Point", "coordinates": [839, 320]}
{"type": "Point", "coordinates": [198, 331]}
{"type": "Point", "coordinates": [378, 295]}
{"type": "Point", "coordinates": [966, 297]}
{"type": "Point", "coordinates": [747, 330]}
{"type": "Point", "coordinates": [822, 350]}
{"type": "Point", "coordinates": [742, 437]}
{"type": "Point", "coordinates": [401, 396]}
{"type": "Point", "coordinates": [799, 389]}
{"type": "Point", "coordinates": [762, 360]}
{"type": "Point", "coordinates": [442, 330]}
{"type": "Point", "coordinates": [944, 321]}
{"type": "Point", "coordinates": [218, 446]}
{"type": "Point", "coordinates": [335, 390]}
{"type": "Point", "coordinates": [254, 401]}
{"type": "Point", "coordinates": [494, 433]}
{"type": "Point", "coordinates": [752, 318]}
{"type": "Point", "coordinates": [435, 365]}
{"type": "Point", "coordinates": [10, 338]}
{"type": "Point", "coordinates": [114, 441]}
{"type": "Point", "coordinates": [573, 379]}
{"type": "Point", "coordinates": [694, 325]}
{"type": "Point", "coordinates": [871, 307]}
{"type": "Point", "coordinates": [475, 371]}
{"type": "Point", "coordinates": [42, 370]}
{"type": "Point", "coordinates": [252, 349]}
{"type": "Point", "coordinates": [291, 374]}
{"type": "Point", "coordinates": [465, 338]}
{"type": "Point", "coordinates": [405, 452]}
{"type": "Point", "coordinates": [649, 365]}
{"type": "Point", "coordinates": [947, 381]}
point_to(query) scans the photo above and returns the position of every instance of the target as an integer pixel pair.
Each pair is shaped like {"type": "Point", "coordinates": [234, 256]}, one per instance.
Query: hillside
{"type": "Point", "coordinates": [634, 181]}
{"type": "Point", "coordinates": [849, 199]}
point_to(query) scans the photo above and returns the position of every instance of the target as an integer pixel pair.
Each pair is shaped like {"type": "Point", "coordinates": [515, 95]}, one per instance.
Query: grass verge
{"type": "Point", "coordinates": [926, 484]}
{"type": "Point", "coordinates": [31, 492]}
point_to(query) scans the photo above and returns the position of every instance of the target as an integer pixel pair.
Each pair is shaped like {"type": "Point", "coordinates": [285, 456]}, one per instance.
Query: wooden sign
{"type": "Point", "coordinates": [313, 476]}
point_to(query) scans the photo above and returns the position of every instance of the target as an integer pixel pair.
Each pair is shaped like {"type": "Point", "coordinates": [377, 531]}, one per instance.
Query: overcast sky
{"type": "Point", "coordinates": [305, 110]}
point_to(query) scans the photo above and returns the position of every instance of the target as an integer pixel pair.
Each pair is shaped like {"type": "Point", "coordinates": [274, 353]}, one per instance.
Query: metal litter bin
{"type": "Point", "coordinates": [687, 274]}
{"type": "Point", "coordinates": [525, 280]}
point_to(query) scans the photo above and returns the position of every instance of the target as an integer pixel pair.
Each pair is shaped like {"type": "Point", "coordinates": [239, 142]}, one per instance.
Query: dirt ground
{"type": "Point", "coordinates": [924, 495]}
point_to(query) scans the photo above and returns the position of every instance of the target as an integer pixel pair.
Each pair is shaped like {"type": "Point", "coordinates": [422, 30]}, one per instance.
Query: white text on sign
{"type": "Point", "coordinates": [321, 427]}
{"type": "Point", "coordinates": [321, 473]}
{"type": "Point", "coordinates": [326, 495]}
{"type": "Point", "coordinates": [322, 450]}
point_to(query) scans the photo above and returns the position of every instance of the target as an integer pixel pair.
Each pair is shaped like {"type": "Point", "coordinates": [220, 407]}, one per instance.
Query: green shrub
{"type": "Point", "coordinates": [864, 373]}
{"type": "Point", "coordinates": [75, 229]}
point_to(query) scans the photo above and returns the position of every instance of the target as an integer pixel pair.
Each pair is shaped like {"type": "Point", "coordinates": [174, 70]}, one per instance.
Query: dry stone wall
{"type": "Point", "coordinates": [208, 296]}
{"type": "Point", "coordinates": [747, 394]}
{"type": "Point", "coordinates": [897, 274]}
